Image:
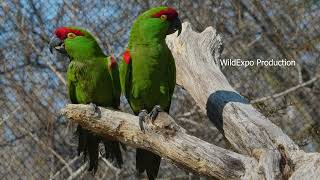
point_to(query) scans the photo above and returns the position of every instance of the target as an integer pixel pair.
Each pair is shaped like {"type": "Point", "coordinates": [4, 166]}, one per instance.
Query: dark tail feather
{"type": "Point", "coordinates": [89, 143]}
{"type": "Point", "coordinates": [146, 160]}
{"type": "Point", "coordinates": [113, 152]}
{"type": "Point", "coordinates": [93, 151]}
{"type": "Point", "coordinates": [82, 141]}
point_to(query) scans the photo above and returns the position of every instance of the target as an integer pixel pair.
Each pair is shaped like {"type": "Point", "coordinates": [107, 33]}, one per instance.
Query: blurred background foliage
{"type": "Point", "coordinates": [36, 143]}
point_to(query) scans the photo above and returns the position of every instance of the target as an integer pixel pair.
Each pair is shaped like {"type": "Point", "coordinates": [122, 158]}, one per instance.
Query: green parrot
{"type": "Point", "coordinates": [148, 73]}
{"type": "Point", "coordinates": [93, 78]}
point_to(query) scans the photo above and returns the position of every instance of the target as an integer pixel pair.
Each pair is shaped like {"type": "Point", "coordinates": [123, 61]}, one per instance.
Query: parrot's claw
{"type": "Point", "coordinates": [142, 118]}
{"type": "Point", "coordinates": [95, 110]}
{"type": "Point", "coordinates": [154, 113]}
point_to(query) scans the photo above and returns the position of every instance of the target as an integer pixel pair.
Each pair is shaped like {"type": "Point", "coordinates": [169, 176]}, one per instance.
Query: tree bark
{"type": "Point", "coordinates": [163, 137]}
{"type": "Point", "coordinates": [197, 61]}
{"type": "Point", "coordinates": [265, 151]}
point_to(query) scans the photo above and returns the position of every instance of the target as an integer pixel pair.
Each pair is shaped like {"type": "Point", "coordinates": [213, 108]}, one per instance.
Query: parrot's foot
{"type": "Point", "coordinates": [154, 113]}
{"type": "Point", "coordinates": [142, 118]}
{"type": "Point", "coordinates": [95, 110]}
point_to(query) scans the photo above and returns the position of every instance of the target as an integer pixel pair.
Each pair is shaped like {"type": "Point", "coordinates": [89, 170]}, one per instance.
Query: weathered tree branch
{"type": "Point", "coordinates": [287, 91]}
{"type": "Point", "coordinates": [165, 138]}
{"type": "Point", "coordinates": [197, 58]}
{"type": "Point", "coordinates": [199, 73]}
{"type": "Point", "coordinates": [266, 152]}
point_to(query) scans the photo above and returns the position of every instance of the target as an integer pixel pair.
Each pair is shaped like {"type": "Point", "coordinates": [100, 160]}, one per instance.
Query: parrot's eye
{"type": "Point", "coordinates": [71, 35]}
{"type": "Point", "coordinates": [163, 17]}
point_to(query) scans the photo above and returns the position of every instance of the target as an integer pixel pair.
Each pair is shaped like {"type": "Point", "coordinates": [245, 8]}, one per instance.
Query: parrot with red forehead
{"type": "Point", "coordinates": [148, 73]}
{"type": "Point", "coordinates": [92, 78]}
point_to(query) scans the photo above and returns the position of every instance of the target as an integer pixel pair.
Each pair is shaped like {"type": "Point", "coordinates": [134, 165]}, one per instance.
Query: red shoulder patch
{"type": "Point", "coordinates": [112, 63]}
{"type": "Point", "coordinates": [127, 57]}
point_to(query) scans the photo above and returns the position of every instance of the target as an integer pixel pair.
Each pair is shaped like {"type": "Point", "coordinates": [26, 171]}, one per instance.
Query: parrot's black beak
{"type": "Point", "coordinates": [57, 44]}
{"type": "Point", "coordinates": [175, 25]}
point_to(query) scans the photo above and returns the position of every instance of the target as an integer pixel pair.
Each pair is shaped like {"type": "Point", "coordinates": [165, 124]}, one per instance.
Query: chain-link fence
{"type": "Point", "coordinates": [36, 143]}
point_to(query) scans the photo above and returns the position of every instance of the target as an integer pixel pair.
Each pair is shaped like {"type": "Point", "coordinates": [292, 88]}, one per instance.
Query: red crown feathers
{"type": "Point", "coordinates": [62, 32]}
{"type": "Point", "coordinates": [170, 12]}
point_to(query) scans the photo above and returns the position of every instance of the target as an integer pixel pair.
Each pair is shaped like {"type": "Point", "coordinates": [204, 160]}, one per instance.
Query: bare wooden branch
{"type": "Point", "coordinates": [266, 152]}
{"type": "Point", "coordinates": [197, 58]}
{"type": "Point", "coordinates": [165, 138]}
{"type": "Point", "coordinates": [37, 50]}
{"type": "Point", "coordinates": [58, 173]}
{"type": "Point", "coordinates": [44, 146]}
{"type": "Point", "coordinates": [78, 172]}
{"type": "Point", "coordinates": [287, 91]}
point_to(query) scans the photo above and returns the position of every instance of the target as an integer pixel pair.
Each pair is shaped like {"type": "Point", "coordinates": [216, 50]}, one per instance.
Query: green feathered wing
{"type": "Point", "coordinates": [92, 77]}
{"type": "Point", "coordinates": [125, 77]}
{"type": "Point", "coordinates": [147, 79]}
{"type": "Point", "coordinates": [95, 81]}
{"type": "Point", "coordinates": [147, 71]}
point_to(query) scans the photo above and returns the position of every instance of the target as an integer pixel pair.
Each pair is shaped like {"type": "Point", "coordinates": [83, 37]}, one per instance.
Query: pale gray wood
{"type": "Point", "coordinates": [198, 71]}
{"type": "Point", "coordinates": [165, 138]}
{"type": "Point", "coordinates": [266, 152]}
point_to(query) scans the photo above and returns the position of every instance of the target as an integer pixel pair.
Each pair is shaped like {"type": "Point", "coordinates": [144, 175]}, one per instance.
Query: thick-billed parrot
{"type": "Point", "coordinates": [148, 73]}
{"type": "Point", "coordinates": [92, 78]}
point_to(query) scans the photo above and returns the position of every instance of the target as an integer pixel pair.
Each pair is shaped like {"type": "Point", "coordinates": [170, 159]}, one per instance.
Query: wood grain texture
{"type": "Point", "coordinates": [198, 71]}
{"type": "Point", "coordinates": [165, 138]}
{"type": "Point", "coordinates": [264, 151]}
